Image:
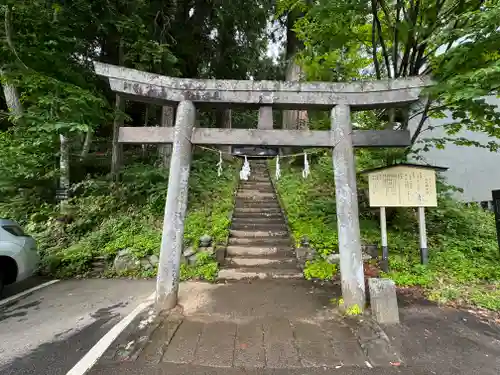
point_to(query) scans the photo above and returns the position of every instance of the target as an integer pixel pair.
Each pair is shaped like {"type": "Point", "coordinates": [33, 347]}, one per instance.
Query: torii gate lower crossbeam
{"type": "Point", "coordinates": [340, 98]}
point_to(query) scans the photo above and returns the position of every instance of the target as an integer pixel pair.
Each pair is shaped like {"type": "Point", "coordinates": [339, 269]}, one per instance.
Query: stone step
{"type": "Point", "coordinates": [273, 226]}
{"type": "Point", "coordinates": [251, 216]}
{"type": "Point", "coordinates": [246, 210]}
{"type": "Point", "coordinates": [255, 195]}
{"type": "Point", "coordinates": [268, 188]}
{"type": "Point", "coordinates": [234, 233]}
{"type": "Point", "coordinates": [256, 251]}
{"type": "Point", "coordinates": [258, 220]}
{"type": "Point", "coordinates": [256, 199]}
{"type": "Point", "coordinates": [275, 262]}
{"type": "Point", "coordinates": [250, 201]}
{"type": "Point", "coordinates": [256, 204]}
{"type": "Point", "coordinates": [258, 273]}
{"type": "Point", "coordinates": [257, 192]}
{"type": "Point", "coordinates": [259, 179]}
{"type": "Point", "coordinates": [251, 198]}
{"type": "Point", "coordinates": [260, 241]}
{"type": "Point", "coordinates": [255, 184]}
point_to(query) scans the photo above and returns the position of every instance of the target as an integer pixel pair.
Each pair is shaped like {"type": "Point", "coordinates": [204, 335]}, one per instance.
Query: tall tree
{"type": "Point", "coordinates": [293, 12]}
{"type": "Point", "coordinates": [453, 41]}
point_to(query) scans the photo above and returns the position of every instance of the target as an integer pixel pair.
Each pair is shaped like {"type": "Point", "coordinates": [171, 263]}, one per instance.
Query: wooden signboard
{"type": "Point", "coordinates": [403, 186]}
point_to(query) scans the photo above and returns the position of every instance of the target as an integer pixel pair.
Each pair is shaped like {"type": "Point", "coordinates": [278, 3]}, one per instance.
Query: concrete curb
{"type": "Point", "coordinates": [141, 332]}
{"type": "Point", "coordinates": [374, 341]}
{"type": "Point", "coordinates": [95, 354]}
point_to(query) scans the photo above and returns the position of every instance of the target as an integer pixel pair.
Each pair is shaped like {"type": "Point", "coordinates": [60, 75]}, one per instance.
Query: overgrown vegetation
{"type": "Point", "coordinates": [464, 256]}
{"type": "Point", "coordinates": [205, 268]}
{"type": "Point", "coordinates": [106, 217]}
{"type": "Point", "coordinates": [52, 106]}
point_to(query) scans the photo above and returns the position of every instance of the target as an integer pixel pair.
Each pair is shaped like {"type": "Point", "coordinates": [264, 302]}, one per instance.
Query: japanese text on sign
{"type": "Point", "coordinates": [403, 187]}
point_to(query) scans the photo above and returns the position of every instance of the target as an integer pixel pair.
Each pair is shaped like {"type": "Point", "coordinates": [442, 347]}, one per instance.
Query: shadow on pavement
{"type": "Point", "coordinates": [57, 358]}
{"type": "Point", "coordinates": [13, 289]}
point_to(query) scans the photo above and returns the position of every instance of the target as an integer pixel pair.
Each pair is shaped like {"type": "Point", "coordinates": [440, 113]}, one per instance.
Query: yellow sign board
{"type": "Point", "coordinates": [403, 186]}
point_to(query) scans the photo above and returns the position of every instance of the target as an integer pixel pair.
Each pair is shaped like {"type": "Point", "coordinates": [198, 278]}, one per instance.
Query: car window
{"type": "Point", "coordinates": [14, 230]}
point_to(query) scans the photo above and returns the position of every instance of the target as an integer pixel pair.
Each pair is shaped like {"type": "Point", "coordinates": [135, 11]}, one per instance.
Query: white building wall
{"type": "Point", "coordinates": [475, 170]}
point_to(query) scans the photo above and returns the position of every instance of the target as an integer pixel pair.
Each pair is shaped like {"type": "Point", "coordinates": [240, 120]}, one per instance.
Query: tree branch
{"type": "Point", "coordinates": [418, 130]}
{"type": "Point", "coordinates": [8, 34]}
{"type": "Point", "coordinates": [374, 43]}
{"type": "Point", "coordinates": [411, 18]}
{"type": "Point", "coordinates": [395, 45]}
{"type": "Point", "coordinates": [382, 42]}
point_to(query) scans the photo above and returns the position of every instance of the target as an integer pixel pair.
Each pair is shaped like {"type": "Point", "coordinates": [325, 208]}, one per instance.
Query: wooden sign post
{"type": "Point", "coordinates": [403, 185]}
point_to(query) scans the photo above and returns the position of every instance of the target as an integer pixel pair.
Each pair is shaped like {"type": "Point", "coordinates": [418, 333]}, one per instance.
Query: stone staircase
{"type": "Point", "coordinates": [259, 246]}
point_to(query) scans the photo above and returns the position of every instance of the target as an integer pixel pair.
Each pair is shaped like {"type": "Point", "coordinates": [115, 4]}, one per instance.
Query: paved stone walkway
{"type": "Point", "coordinates": [279, 325]}
{"type": "Point", "coordinates": [256, 325]}
{"type": "Point", "coordinates": [271, 342]}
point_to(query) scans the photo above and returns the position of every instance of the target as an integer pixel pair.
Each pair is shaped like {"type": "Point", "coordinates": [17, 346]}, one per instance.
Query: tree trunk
{"type": "Point", "coordinates": [86, 145]}
{"type": "Point", "coordinates": [64, 170]}
{"type": "Point", "coordinates": [146, 120]}
{"type": "Point", "coordinates": [224, 121]}
{"type": "Point", "coordinates": [10, 91]}
{"type": "Point", "coordinates": [167, 120]}
{"type": "Point", "coordinates": [293, 119]}
{"type": "Point", "coordinates": [117, 149]}
{"type": "Point", "coordinates": [11, 97]}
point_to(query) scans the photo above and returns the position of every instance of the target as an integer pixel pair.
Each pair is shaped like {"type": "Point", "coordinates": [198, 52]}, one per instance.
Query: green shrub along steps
{"type": "Point", "coordinates": [108, 218]}
{"type": "Point", "coordinates": [464, 265]}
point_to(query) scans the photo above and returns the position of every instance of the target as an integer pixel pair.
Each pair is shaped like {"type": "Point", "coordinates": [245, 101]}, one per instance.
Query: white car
{"type": "Point", "coordinates": [19, 257]}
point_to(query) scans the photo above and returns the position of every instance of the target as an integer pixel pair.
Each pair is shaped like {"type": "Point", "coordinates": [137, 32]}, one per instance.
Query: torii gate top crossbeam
{"type": "Point", "coordinates": [359, 95]}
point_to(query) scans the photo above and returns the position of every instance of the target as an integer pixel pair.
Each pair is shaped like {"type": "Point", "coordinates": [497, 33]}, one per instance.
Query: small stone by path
{"type": "Point", "coordinates": [256, 325]}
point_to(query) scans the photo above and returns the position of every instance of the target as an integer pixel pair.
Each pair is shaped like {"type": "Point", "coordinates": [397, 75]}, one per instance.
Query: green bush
{"type": "Point", "coordinates": [205, 268]}
{"type": "Point", "coordinates": [141, 245]}
{"type": "Point", "coordinates": [320, 269]}
{"type": "Point", "coordinates": [464, 257]}
{"type": "Point", "coordinates": [107, 216]}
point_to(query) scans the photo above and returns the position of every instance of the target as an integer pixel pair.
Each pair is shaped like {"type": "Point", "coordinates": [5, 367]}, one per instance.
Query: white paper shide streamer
{"type": "Point", "coordinates": [278, 168]}
{"type": "Point", "coordinates": [305, 171]}
{"type": "Point", "coordinates": [219, 165]}
{"type": "Point", "coordinates": [245, 170]}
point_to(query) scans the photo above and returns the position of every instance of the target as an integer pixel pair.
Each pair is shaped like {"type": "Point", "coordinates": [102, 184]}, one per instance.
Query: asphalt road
{"type": "Point", "coordinates": [13, 289]}
{"type": "Point", "coordinates": [48, 331]}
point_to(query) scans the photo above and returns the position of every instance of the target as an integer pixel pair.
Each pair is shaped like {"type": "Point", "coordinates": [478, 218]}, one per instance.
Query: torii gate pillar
{"type": "Point", "coordinates": [167, 282]}
{"type": "Point", "coordinates": [351, 257]}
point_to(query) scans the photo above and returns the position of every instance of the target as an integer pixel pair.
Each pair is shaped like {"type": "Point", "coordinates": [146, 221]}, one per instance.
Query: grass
{"type": "Point", "coordinates": [464, 263]}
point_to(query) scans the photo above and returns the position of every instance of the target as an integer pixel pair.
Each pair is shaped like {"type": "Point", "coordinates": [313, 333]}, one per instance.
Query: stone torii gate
{"type": "Point", "coordinates": [339, 98]}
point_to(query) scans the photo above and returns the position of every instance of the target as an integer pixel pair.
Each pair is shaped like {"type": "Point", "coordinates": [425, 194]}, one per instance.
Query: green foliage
{"type": "Point", "coordinates": [353, 310]}
{"type": "Point", "coordinates": [409, 274]}
{"type": "Point", "coordinates": [310, 208]}
{"type": "Point", "coordinates": [141, 245]}
{"type": "Point", "coordinates": [455, 43]}
{"type": "Point", "coordinates": [205, 268]}
{"type": "Point", "coordinates": [320, 269]}
{"type": "Point", "coordinates": [464, 257]}
{"type": "Point", "coordinates": [111, 216]}
{"type": "Point", "coordinates": [75, 260]}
